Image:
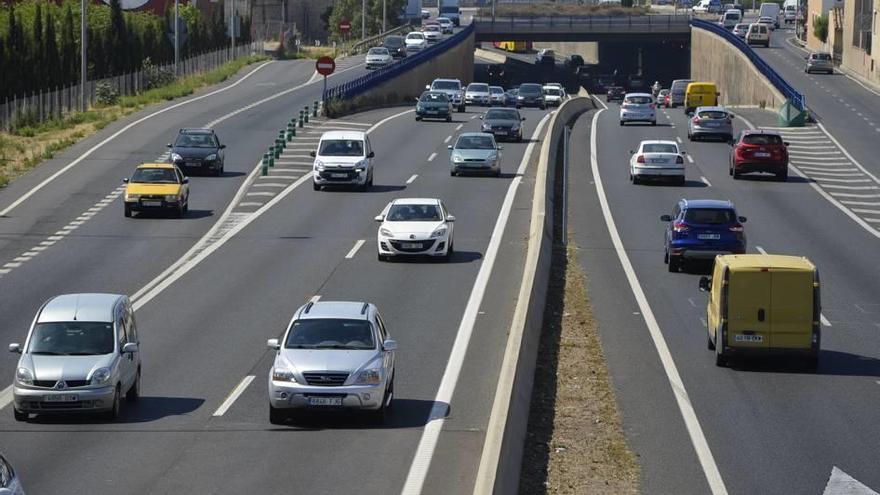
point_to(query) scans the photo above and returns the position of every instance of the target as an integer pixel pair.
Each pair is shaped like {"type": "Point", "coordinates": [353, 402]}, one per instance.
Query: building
{"type": "Point", "coordinates": [861, 45]}
{"type": "Point", "coordinates": [817, 8]}
{"type": "Point", "coordinates": [302, 16]}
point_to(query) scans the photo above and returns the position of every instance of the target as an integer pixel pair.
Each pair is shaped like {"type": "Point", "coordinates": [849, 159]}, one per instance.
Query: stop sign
{"type": "Point", "coordinates": [344, 26]}
{"type": "Point", "coordinates": [325, 66]}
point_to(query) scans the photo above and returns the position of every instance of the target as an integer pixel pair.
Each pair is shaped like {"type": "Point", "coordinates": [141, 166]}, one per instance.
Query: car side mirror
{"type": "Point", "coordinates": [15, 347]}
{"type": "Point", "coordinates": [705, 284]}
{"type": "Point", "coordinates": [742, 219]}
{"type": "Point", "coordinates": [428, 87]}
{"type": "Point", "coordinates": [273, 344]}
{"type": "Point", "coordinates": [186, 180]}
{"type": "Point", "coordinates": [312, 154]}
{"type": "Point", "coordinates": [222, 146]}
{"type": "Point", "coordinates": [389, 345]}
{"type": "Point", "coordinates": [379, 218]}
{"type": "Point", "coordinates": [481, 117]}
{"type": "Point", "coordinates": [785, 143]}
{"type": "Point", "coordinates": [372, 154]}
{"type": "Point", "coordinates": [683, 152]}
{"type": "Point", "coordinates": [168, 145]}
{"type": "Point", "coordinates": [522, 119]}
{"type": "Point", "coordinates": [125, 180]}
{"type": "Point", "coordinates": [416, 99]}
{"type": "Point", "coordinates": [666, 218]}
{"type": "Point", "coordinates": [450, 218]}
{"type": "Point", "coordinates": [130, 348]}
{"type": "Point", "coordinates": [449, 146]}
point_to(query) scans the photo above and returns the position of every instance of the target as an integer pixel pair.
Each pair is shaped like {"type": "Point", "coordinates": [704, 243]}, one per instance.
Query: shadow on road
{"type": "Point", "coordinates": [145, 410]}
{"type": "Point", "coordinates": [404, 413]}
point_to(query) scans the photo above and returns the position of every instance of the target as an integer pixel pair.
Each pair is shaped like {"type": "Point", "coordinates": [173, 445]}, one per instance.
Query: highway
{"type": "Point", "coordinates": [767, 427]}
{"type": "Point", "coordinates": [203, 333]}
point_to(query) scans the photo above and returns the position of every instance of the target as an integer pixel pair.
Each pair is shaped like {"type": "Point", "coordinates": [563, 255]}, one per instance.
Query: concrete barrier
{"type": "Point", "coordinates": [740, 83]}
{"type": "Point", "coordinates": [494, 57]}
{"type": "Point", "coordinates": [589, 50]}
{"type": "Point", "coordinates": [500, 463]}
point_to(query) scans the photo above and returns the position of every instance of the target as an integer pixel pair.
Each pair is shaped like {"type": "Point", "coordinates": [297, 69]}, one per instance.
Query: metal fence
{"type": "Point", "coordinates": [53, 104]}
{"type": "Point", "coordinates": [797, 99]}
{"type": "Point", "coordinates": [365, 83]}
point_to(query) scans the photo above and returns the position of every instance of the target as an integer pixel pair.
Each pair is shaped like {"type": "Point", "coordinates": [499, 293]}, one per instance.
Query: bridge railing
{"type": "Point", "coordinates": [787, 90]}
{"type": "Point", "coordinates": [367, 82]}
{"type": "Point", "coordinates": [586, 23]}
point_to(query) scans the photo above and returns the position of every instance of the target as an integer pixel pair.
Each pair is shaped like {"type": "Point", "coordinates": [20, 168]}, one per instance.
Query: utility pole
{"type": "Point", "coordinates": [383, 16]}
{"type": "Point", "coordinates": [83, 67]}
{"type": "Point", "coordinates": [363, 19]}
{"type": "Point", "coordinates": [231, 29]}
{"type": "Point", "coordinates": [176, 37]}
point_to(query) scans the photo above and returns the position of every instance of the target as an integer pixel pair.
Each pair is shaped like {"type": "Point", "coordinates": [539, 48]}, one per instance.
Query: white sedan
{"type": "Point", "coordinates": [378, 57]}
{"type": "Point", "coordinates": [433, 33]}
{"type": "Point", "coordinates": [415, 227]}
{"type": "Point", "coordinates": [657, 159]}
{"type": "Point", "coordinates": [415, 41]}
{"type": "Point", "coordinates": [446, 24]}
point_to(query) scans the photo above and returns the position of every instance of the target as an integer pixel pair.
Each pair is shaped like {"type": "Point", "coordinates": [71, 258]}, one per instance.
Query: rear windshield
{"type": "Point", "coordinates": [713, 114]}
{"type": "Point", "coordinates": [341, 147]}
{"type": "Point", "coordinates": [709, 216]}
{"type": "Point", "coordinates": [330, 333]}
{"type": "Point", "coordinates": [639, 100]}
{"type": "Point", "coordinates": [821, 56]}
{"type": "Point", "coordinates": [659, 148]}
{"type": "Point", "coordinates": [762, 139]}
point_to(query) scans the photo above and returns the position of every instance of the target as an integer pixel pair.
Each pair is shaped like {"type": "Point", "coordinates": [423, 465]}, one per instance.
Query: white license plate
{"type": "Point", "coordinates": [152, 203]}
{"type": "Point", "coordinates": [193, 164]}
{"type": "Point", "coordinates": [325, 401]}
{"type": "Point", "coordinates": [432, 112]}
{"type": "Point", "coordinates": [708, 236]}
{"type": "Point", "coordinates": [748, 338]}
{"type": "Point", "coordinates": [339, 176]}
{"type": "Point", "coordinates": [657, 162]}
{"type": "Point", "coordinates": [761, 154]}
{"type": "Point", "coordinates": [60, 398]}
{"type": "Point", "coordinates": [500, 133]}
{"type": "Point", "coordinates": [411, 245]}
{"type": "Point", "coordinates": [711, 124]}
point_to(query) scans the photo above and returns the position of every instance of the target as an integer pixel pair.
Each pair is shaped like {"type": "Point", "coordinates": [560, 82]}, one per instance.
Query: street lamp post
{"type": "Point", "coordinates": [363, 19]}
{"type": "Point", "coordinates": [231, 29]}
{"type": "Point", "coordinates": [83, 67]}
{"type": "Point", "coordinates": [176, 37]}
{"type": "Point", "coordinates": [383, 16]}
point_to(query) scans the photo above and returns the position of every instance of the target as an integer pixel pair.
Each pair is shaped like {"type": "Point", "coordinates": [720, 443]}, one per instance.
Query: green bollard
{"type": "Point", "coordinates": [300, 120]}
{"type": "Point", "coordinates": [277, 150]}
{"type": "Point", "coordinates": [315, 109]}
{"type": "Point", "coordinates": [265, 164]}
{"type": "Point", "coordinates": [282, 138]}
{"type": "Point", "coordinates": [271, 154]}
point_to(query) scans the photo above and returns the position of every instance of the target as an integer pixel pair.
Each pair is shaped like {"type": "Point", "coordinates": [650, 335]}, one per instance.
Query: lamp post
{"type": "Point", "coordinates": [176, 37]}
{"type": "Point", "coordinates": [83, 67]}
{"type": "Point", "coordinates": [363, 19]}
{"type": "Point", "coordinates": [383, 16]}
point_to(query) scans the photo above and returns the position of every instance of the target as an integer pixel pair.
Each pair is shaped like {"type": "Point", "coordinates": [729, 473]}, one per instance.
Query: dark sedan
{"type": "Point", "coordinates": [615, 93]}
{"type": "Point", "coordinates": [434, 105]}
{"type": "Point", "coordinates": [396, 46]}
{"type": "Point", "coordinates": [198, 150]}
{"type": "Point", "coordinates": [531, 95]}
{"type": "Point", "coordinates": [503, 123]}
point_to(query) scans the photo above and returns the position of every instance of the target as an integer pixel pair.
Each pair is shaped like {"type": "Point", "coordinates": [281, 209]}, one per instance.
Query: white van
{"type": "Point", "coordinates": [343, 158]}
{"type": "Point", "coordinates": [730, 19]}
{"type": "Point", "coordinates": [789, 13]}
{"type": "Point", "coordinates": [770, 10]}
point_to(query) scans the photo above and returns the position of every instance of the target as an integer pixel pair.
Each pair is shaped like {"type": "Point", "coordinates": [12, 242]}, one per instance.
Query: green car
{"type": "Point", "coordinates": [434, 105]}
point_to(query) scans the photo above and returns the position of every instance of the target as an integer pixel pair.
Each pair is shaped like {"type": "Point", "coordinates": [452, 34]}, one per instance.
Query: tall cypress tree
{"type": "Point", "coordinates": [69, 53]}
{"type": "Point", "coordinates": [37, 65]}
{"type": "Point", "coordinates": [14, 47]}
{"type": "Point", "coordinates": [53, 60]}
{"type": "Point", "coordinates": [117, 39]}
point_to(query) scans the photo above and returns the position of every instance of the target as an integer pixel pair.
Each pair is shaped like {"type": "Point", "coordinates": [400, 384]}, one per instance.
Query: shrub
{"type": "Point", "coordinates": [106, 94]}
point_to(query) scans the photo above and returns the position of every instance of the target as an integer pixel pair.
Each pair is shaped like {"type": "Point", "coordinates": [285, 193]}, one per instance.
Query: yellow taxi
{"type": "Point", "coordinates": [157, 186]}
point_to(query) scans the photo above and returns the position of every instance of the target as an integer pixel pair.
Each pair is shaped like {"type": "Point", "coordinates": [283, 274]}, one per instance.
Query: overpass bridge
{"type": "Point", "coordinates": [647, 28]}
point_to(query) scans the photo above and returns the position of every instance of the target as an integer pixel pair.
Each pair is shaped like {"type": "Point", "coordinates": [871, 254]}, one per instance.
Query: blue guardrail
{"type": "Point", "coordinates": [797, 99]}
{"type": "Point", "coordinates": [369, 81]}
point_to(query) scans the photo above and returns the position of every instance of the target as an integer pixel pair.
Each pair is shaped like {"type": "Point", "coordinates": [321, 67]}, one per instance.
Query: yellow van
{"type": "Point", "coordinates": [762, 304]}
{"type": "Point", "coordinates": [700, 94]}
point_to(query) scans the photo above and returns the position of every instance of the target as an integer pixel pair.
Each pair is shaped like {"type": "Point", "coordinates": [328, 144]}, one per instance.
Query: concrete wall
{"type": "Point", "coordinates": [739, 82]}
{"type": "Point", "coordinates": [856, 60]}
{"type": "Point", "coordinates": [588, 50]}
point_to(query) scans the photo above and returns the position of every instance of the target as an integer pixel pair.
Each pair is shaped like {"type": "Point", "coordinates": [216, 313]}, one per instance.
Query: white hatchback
{"type": "Point", "coordinates": [656, 159]}
{"type": "Point", "coordinates": [638, 107]}
{"type": "Point", "coordinates": [415, 227]}
{"type": "Point", "coordinates": [415, 41]}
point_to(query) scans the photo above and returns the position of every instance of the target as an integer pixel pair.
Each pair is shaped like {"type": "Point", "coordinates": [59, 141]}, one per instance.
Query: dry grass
{"type": "Point", "coordinates": [544, 9]}
{"type": "Point", "coordinates": [575, 442]}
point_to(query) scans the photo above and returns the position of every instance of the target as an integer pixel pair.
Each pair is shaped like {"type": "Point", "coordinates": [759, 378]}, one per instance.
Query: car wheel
{"type": "Point", "coordinates": [218, 172]}
{"type": "Point", "coordinates": [277, 416]}
{"type": "Point", "coordinates": [543, 107]}
{"type": "Point", "coordinates": [418, 118]}
{"type": "Point", "coordinates": [690, 137]}
{"type": "Point", "coordinates": [720, 358]}
{"type": "Point", "coordinates": [134, 393]}
{"type": "Point", "coordinates": [782, 176]}
{"type": "Point", "coordinates": [812, 363]}
{"type": "Point", "coordinates": [680, 181]}
{"type": "Point", "coordinates": [452, 173]}
{"type": "Point", "coordinates": [315, 186]}
{"type": "Point", "coordinates": [498, 173]}
{"type": "Point", "coordinates": [621, 123]}
{"type": "Point", "coordinates": [180, 211]}
{"type": "Point", "coordinates": [736, 175]}
{"type": "Point", "coordinates": [19, 415]}
{"type": "Point", "coordinates": [674, 264]}
{"type": "Point", "coordinates": [127, 211]}
{"type": "Point", "coordinates": [449, 118]}
{"type": "Point", "coordinates": [653, 122]}
{"type": "Point", "coordinates": [113, 413]}
{"type": "Point", "coordinates": [381, 257]}
{"type": "Point", "coordinates": [709, 344]}
{"type": "Point", "coordinates": [830, 72]}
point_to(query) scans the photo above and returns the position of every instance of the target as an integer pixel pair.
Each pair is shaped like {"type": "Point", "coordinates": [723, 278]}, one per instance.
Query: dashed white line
{"type": "Point", "coordinates": [473, 117]}
{"type": "Point", "coordinates": [824, 320]}
{"type": "Point", "coordinates": [448, 138]}
{"type": "Point", "coordinates": [235, 394]}
{"type": "Point", "coordinates": [458, 127]}
{"type": "Point", "coordinates": [760, 250]}
{"type": "Point", "coordinates": [678, 138]}
{"type": "Point", "coordinates": [354, 250]}
{"type": "Point", "coordinates": [432, 156]}
{"type": "Point", "coordinates": [412, 179]}
{"type": "Point", "coordinates": [690, 158]}
{"type": "Point", "coordinates": [705, 181]}
{"type": "Point", "coordinates": [315, 298]}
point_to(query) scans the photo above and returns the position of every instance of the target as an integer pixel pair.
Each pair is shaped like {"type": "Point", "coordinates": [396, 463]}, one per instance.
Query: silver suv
{"type": "Point", "coordinates": [453, 89]}
{"type": "Point", "coordinates": [333, 356]}
{"type": "Point", "coordinates": [80, 355]}
{"type": "Point", "coordinates": [819, 62]}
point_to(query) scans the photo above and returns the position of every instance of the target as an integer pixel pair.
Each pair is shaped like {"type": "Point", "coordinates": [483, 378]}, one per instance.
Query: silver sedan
{"type": "Point", "coordinates": [710, 122]}
{"type": "Point", "coordinates": [475, 152]}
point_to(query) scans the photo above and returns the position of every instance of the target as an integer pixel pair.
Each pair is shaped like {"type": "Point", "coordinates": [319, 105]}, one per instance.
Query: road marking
{"type": "Point", "coordinates": [863, 210]}
{"type": "Point", "coordinates": [473, 117]}
{"type": "Point", "coordinates": [677, 138]}
{"type": "Point", "coordinates": [354, 250]}
{"type": "Point", "coordinates": [840, 483]}
{"type": "Point", "coordinates": [853, 195]}
{"type": "Point", "coordinates": [824, 320]}
{"type": "Point", "coordinates": [421, 462]}
{"type": "Point", "coordinates": [760, 250]}
{"type": "Point", "coordinates": [249, 203]}
{"type": "Point", "coordinates": [861, 203]}
{"type": "Point", "coordinates": [260, 194]}
{"type": "Point", "coordinates": [315, 298]}
{"type": "Point", "coordinates": [825, 179]}
{"type": "Point", "coordinates": [830, 169]}
{"type": "Point", "coordinates": [851, 188]}
{"type": "Point", "coordinates": [235, 394]}
{"type": "Point", "coordinates": [269, 184]}
{"type": "Point", "coordinates": [706, 181]}
{"type": "Point", "coordinates": [412, 179]}
{"type": "Point", "coordinates": [447, 139]}
{"type": "Point", "coordinates": [458, 127]}
{"type": "Point", "coordinates": [690, 158]}
{"type": "Point", "coordinates": [432, 156]}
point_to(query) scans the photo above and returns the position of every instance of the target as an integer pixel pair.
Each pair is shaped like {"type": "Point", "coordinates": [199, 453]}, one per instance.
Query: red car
{"type": "Point", "coordinates": [759, 151]}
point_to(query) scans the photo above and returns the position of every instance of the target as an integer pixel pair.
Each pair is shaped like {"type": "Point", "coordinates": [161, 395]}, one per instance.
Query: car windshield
{"type": "Point", "coordinates": [330, 333]}
{"type": "Point", "coordinates": [154, 176]}
{"type": "Point", "coordinates": [415, 36]}
{"type": "Point", "coordinates": [712, 114]}
{"type": "Point", "coordinates": [659, 148]}
{"type": "Point", "coordinates": [393, 41]}
{"type": "Point", "coordinates": [496, 90]}
{"type": "Point", "coordinates": [639, 100]}
{"type": "Point", "coordinates": [475, 143]}
{"type": "Point", "coordinates": [709, 216]}
{"type": "Point", "coordinates": [530, 89]}
{"type": "Point", "coordinates": [77, 338]}
{"type": "Point", "coordinates": [378, 51]}
{"type": "Point", "coordinates": [196, 141]}
{"type": "Point", "coordinates": [553, 91]}
{"type": "Point", "coordinates": [740, 27]}
{"type": "Point", "coordinates": [447, 85]}
{"type": "Point", "coordinates": [762, 139]}
{"type": "Point", "coordinates": [502, 114]}
{"type": "Point", "coordinates": [414, 213]}
{"type": "Point", "coordinates": [432, 27]}
{"type": "Point", "coordinates": [443, 20]}
{"type": "Point", "coordinates": [478, 87]}
{"type": "Point", "coordinates": [341, 147]}
{"type": "Point", "coordinates": [434, 98]}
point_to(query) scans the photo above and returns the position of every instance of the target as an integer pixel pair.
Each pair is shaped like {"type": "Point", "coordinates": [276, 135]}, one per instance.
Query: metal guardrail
{"type": "Point", "coordinates": [584, 24]}
{"type": "Point", "coordinates": [364, 83]}
{"type": "Point", "coordinates": [787, 90]}
{"type": "Point", "coordinates": [371, 41]}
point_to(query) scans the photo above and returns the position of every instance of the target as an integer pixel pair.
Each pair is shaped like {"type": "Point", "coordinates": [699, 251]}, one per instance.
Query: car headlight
{"type": "Point", "coordinates": [514, 127]}
{"type": "Point", "coordinates": [520, 97]}
{"type": "Point", "coordinates": [369, 376]}
{"type": "Point", "coordinates": [493, 157]}
{"type": "Point", "coordinates": [319, 165]}
{"type": "Point", "coordinates": [24, 376]}
{"type": "Point", "coordinates": [485, 127]}
{"type": "Point", "coordinates": [100, 376]}
{"type": "Point", "coordinates": [283, 375]}
{"type": "Point", "coordinates": [457, 159]}
{"type": "Point", "coordinates": [132, 197]}
{"type": "Point", "coordinates": [438, 233]}
{"type": "Point", "coordinates": [385, 232]}
{"type": "Point", "coordinates": [171, 197]}
{"type": "Point", "coordinates": [211, 157]}
{"type": "Point", "coordinates": [176, 158]}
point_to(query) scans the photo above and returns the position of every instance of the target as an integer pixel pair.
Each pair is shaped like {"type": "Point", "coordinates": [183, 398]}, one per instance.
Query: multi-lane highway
{"type": "Point", "coordinates": [764, 427]}
{"type": "Point", "coordinates": [202, 425]}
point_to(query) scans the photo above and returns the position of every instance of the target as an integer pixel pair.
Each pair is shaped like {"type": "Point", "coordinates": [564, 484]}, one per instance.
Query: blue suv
{"type": "Point", "coordinates": [700, 229]}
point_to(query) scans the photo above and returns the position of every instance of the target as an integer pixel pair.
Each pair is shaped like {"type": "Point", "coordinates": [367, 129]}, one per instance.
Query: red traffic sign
{"type": "Point", "coordinates": [344, 26]}
{"type": "Point", "coordinates": [325, 66]}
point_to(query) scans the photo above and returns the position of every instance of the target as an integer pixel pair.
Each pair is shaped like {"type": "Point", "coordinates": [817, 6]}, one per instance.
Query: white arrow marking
{"type": "Point", "coordinates": [841, 483]}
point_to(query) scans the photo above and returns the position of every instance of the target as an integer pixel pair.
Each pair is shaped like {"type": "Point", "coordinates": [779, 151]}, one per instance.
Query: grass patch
{"type": "Point", "coordinates": [575, 442]}
{"type": "Point", "coordinates": [28, 145]}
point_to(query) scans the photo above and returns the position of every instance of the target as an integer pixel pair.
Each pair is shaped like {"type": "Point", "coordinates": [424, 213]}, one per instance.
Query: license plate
{"type": "Point", "coordinates": [339, 176]}
{"type": "Point", "coordinates": [708, 236]}
{"type": "Point", "coordinates": [711, 124]}
{"type": "Point", "coordinates": [152, 203]}
{"type": "Point", "coordinates": [432, 112]}
{"type": "Point", "coordinates": [193, 164]}
{"type": "Point", "coordinates": [761, 154]}
{"type": "Point", "coordinates": [748, 338]}
{"type": "Point", "coordinates": [501, 133]}
{"type": "Point", "coordinates": [657, 161]}
{"type": "Point", "coordinates": [325, 401]}
{"type": "Point", "coordinates": [60, 398]}
{"type": "Point", "coordinates": [411, 245]}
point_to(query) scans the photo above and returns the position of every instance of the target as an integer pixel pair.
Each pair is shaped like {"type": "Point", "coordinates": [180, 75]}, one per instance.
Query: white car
{"type": "Point", "coordinates": [415, 227]}
{"type": "Point", "coordinates": [446, 24]}
{"type": "Point", "coordinates": [433, 33]}
{"type": "Point", "coordinates": [343, 158]}
{"type": "Point", "coordinates": [553, 95]}
{"type": "Point", "coordinates": [768, 21]}
{"type": "Point", "coordinates": [638, 107]}
{"type": "Point", "coordinates": [415, 41]}
{"type": "Point", "coordinates": [656, 159]}
{"type": "Point", "coordinates": [378, 57]}
{"type": "Point", "coordinates": [758, 34]}
{"type": "Point", "coordinates": [496, 96]}
{"type": "Point", "coordinates": [9, 482]}
{"type": "Point", "coordinates": [477, 94]}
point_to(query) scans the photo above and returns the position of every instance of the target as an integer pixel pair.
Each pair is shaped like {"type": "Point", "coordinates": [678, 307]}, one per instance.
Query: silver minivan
{"type": "Point", "coordinates": [677, 91]}
{"type": "Point", "coordinates": [80, 355]}
{"type": "Point", "coordinates": [819, 62]}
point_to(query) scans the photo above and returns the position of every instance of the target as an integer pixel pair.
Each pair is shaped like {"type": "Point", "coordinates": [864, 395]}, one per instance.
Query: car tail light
{"type": "Point", "coordinates": [680, 227]}
{"type": "Point", "coordinates": [696, 120]}
{"type": "Point", "coordinates": [679, 160]}
{"type": "Point", "coordinates": [736, 228]}
{"type": "Point", "coordinates": [653, 106]}
{"type": "Point", "coordinates": [640, 159]}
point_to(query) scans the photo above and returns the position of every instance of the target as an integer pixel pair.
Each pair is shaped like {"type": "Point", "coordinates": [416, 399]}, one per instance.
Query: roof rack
{"type": "Point", "coordinates": [364, 309]}
{"type": "Point", "coordinates": [308, 307]}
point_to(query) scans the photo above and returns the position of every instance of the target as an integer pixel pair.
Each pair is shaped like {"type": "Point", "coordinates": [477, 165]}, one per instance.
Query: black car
{"type": "Point", "coordinates": [510, 97]}
{"type": "Point", "coordinates": [614, 93]}
{"type": "Point", "coordinates": [496, 73]}
{"type": "Point", "coordinates": [434, 105]}
{"type": "Point", "coordinates": [573, 61]}
{"type": "Point", "coordinates": [503, 123]}
{"type": "Point", "coordinates": [395, 45]}
{"type": "Point", "coordinates": [530, 95]}
{"type": "Point", "coordinates": [198, 150]}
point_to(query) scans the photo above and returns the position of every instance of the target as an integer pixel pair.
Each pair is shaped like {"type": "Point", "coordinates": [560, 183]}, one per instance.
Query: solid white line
{"type": "Point", "coordinates": [869, 212]}
{"type": "Point", "coordinates": [235, 394]}
{"type": "Point", "coordinates": [840, 180]}
{"type": "Point", "coordinates": [268, 184]}
{"type": "Point", "coordinates": [692, 423]}
{"type": "Point", "coordinates": [853, 195]}
{"type": "Point", "coordinates": [706, 181]}
{"type": "Point", "coordinates": [432, 156]}
{"type": "Point", "coordinates": [825, 322]}
{"type": "Point", "coordinates": [354, 250]}
{"type": "Point", "coordinates": [113, 136]}
{"type": "Point", "coordinates": [412, 179]}
{"type": "Point", "coordinates": [861, 203]}
{"type": "Point", "coordinates": [421, 462]}
{"type": "Point", "coordinates": [851, 188]}
{"type": "Point", "coordinates": [447, 139]}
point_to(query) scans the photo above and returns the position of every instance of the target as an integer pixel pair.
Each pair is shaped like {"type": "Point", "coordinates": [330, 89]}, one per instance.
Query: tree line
{"type": "Point", "coordinates": [40, 41]}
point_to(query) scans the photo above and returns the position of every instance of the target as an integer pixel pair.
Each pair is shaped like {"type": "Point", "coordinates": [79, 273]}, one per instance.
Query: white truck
{"type": "Point", "coordinates": [771, 10]}
{"type": "Point", "coordinates": [449, 8]}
